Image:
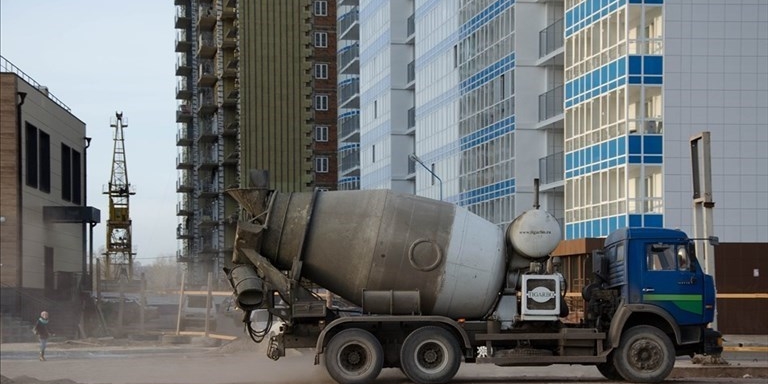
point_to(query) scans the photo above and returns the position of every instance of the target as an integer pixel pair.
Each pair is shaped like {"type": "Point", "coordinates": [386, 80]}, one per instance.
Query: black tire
{"type": "Point", "coordinates": [354, 356]}
{"type": "Point", "coordinates": [645, 355]}
{"type": "Point", "coordinates": [608, 370]}
{"type": "Point", "coordinates": [430, 355]}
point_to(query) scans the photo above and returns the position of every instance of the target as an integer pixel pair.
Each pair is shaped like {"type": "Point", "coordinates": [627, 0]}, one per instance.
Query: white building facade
{"type": "Point", "coordinates": [642, 78]}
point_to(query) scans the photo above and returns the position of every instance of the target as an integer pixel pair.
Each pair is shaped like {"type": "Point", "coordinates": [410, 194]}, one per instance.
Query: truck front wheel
{"type": "Point", "coordinates": [645, 355]}
{"type": "Point", "coordinates": [354, 356]}
{"type": "Point", "coordinates": [430, 355]}
{"type": "Point", "coordinates": [608, 370]}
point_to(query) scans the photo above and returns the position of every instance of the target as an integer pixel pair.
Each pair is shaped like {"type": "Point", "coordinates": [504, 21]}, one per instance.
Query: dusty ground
{"type": "Point", "coordinates": [125, 361]}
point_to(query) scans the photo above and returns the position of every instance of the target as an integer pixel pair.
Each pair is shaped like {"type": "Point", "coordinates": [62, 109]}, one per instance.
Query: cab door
{"type": "Point", "coordinates": [673, 282]}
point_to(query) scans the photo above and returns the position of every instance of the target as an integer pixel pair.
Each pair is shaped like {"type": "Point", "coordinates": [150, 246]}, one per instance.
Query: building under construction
{"type": "Point", "coordinates": [256, 90]}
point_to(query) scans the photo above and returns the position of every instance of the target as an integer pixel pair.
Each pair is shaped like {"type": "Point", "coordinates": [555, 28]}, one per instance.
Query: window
{"type": "Point", "coordinates": [321, 39]}
{"type": "Point", "coordinates": [66, 172]}
{"type": "Point", "coordinates": [38, 158]}
{"type": "Point", "coordinates": [31, 161]}
{"type": "Point", "coordinates": [44, 160]}
{"type": "Point", "coordinates": [321, 71]}
{"type": "Point", "coordinates": [375, 109]}
{"type": "Point", "coordinates": [661, 257]}
{"type": "Point", "coordinates": [321, 165]}
{"type": "Point", "coordinates": [321, 133]}
{"type": "Point", "coordinates": [76, 183]}
{"type": "Point", "coordinates": [321, 102]}
{"type": "Point", "coordinates": [321, 8]}
{"type": "Point", "coordinates": [71, 183]}
{"type": "Point", "coordinates": [373, 153]}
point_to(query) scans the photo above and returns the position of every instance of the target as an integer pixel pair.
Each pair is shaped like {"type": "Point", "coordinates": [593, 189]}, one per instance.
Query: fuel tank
{"type": "Point", "coordinates": [352, 241]}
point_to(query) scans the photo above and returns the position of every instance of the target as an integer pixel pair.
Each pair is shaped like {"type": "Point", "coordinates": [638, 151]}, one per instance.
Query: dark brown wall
{"type": "Point", "coordinates": [328, 86]}
{"type": "Point", "coordinates": [735, 265]}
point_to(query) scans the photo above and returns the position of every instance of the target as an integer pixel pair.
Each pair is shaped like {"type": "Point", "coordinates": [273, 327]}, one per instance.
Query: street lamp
{"type": "Point", "coordinates": [415, 158]}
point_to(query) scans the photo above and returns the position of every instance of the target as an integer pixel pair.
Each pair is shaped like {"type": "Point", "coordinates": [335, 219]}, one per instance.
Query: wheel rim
{"type": "Point", "coordinates": [431, 356]}
{"type": "Point", "coordinates": [645, 355]}
{"type": "Point", "coordinates": [353, 358]}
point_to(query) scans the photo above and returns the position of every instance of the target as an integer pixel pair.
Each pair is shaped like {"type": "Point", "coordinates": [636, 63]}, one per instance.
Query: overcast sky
{"type": "Point", "coordinates": [99, 57]}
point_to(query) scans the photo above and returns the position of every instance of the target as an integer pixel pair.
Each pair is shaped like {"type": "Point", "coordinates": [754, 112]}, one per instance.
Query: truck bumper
{"type": "Point", "coordinates": [713, 342]}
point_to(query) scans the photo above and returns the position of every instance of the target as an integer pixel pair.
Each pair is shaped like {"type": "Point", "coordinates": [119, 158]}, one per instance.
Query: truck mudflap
{"type": "Point", "coordinates": [713, 342]}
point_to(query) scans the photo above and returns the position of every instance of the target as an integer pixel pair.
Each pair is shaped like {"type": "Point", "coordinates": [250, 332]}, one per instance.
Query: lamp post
{"type": "Point", "coordinates": [415, 158]}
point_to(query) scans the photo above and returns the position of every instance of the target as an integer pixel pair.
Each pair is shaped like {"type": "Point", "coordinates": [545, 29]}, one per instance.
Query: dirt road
{"type": "Point", "coordinates": [237, 363]}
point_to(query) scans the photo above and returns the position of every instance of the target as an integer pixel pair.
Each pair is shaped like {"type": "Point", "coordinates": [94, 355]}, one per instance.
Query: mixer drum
{"type": "Point", "coordinates": [384, 240]}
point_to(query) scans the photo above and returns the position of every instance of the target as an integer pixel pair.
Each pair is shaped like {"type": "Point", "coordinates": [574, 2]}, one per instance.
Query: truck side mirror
{"type": "Point", "coordinates": [714, 240]}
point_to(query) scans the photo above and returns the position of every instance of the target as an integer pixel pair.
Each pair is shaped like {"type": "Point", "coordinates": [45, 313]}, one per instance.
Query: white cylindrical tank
{"type": "Point", "coordinates": [534, 234]}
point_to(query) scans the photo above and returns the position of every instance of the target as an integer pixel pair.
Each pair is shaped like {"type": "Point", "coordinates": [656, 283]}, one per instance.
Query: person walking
{"type": "Point", "coordinates": [41, 330]}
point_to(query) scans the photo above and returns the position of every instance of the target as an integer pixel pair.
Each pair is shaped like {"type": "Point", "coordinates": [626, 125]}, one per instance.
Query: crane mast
{"type": "Point", "coordinates": [119, 254]}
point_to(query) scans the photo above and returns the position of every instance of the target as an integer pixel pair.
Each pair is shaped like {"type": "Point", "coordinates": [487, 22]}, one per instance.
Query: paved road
{"type": "Point", "coordinates": [198, 366]}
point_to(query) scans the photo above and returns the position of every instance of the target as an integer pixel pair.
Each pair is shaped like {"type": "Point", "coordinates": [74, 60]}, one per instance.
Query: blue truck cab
{"type": "Point", "coordinates": [658, 281]}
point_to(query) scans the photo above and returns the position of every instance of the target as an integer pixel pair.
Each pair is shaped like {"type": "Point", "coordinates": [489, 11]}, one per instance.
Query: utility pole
{"type": "Point", "coordinates": [703, 204]}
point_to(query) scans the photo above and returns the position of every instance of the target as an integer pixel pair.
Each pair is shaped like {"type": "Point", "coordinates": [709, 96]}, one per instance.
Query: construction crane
{"type": "Point", "coordinates": [118, 256]}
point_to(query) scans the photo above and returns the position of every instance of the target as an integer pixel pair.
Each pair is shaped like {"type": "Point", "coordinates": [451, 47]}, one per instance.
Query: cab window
{"type": "Point", "coordinates": [661, 257]}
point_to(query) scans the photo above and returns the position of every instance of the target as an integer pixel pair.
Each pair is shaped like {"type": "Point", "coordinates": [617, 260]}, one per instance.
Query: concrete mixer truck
{"type": "Point", "coordinates": [433, 285]}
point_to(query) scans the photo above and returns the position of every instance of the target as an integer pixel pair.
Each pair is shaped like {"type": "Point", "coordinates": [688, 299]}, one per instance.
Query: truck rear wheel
{"type": "Point", "coordinates": [430, 355]}
{"type": "Point", "coordinates": [354, 356]}
{"type": "Point", "coordinates": [645, 355]}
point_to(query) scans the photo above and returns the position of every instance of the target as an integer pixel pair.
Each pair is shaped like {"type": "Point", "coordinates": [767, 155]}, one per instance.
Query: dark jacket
{"type": "Point", "coordinates": [41, 329]}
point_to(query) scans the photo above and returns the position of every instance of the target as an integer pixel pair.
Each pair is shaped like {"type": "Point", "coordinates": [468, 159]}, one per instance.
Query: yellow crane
{"type": "Point", "coordinates": [119, 254]}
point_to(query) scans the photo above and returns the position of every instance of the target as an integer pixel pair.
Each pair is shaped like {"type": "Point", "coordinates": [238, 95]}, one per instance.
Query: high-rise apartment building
{"type": "Point", "coordinates": [462, 100]}
{"type": "Point", "coordinates": [642, 78]}
{"type": "Point", "coordinates": [596, 98]}
{"type": "Point", "coordinates": [256, 90]}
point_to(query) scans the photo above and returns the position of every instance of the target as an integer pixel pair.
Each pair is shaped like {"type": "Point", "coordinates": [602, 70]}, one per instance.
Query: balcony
{"type": "Point", "coordinates": [551, 103]}
{"type": "Point", "coordinates": [208, 161]}
{"type": "Point", "coordinates": [207, 132]}
{"type": "Point", "coordinates": [184, 113]}
{"type": "Point", "coordinates": [227, 12]}
{"type": "Point", "coordinates": [182, 90]}
{"type": "Point", "coordinates": [412, 118]}
{"type": "Point", "coordinates": [349, 160]}
{"type": "Point", "coordinates": [182, 65]}
{"type": "Point", "coordinates": [182, 232]}
{"type": "Point", "coordinates": [231, 156]}
{"type": "Point", "coordinates": [184, 135]}
{"type": "Point", "coordinates": [349, 183]}
{"type": "Point", "coordinates": [349, 59]}
{"type": "Point", "coordinates": [230, 36]}
{"type": "Point", "coordinates": [551, 38]}
{"type": "Point", "coordinates": [551, 168]}
{"type": "Point", "coordinates": [207, 219]}
{"type": "Point", "coordinates": [348, 2]}
{"type": "Point", "coordinates": [206, 18]}
{"type": "Point", "coordinates": [208, 189]}
{"type": "Point", "coordinates": [410, 29]}
{"type": "Point", "coordinates": [182, 43]}
{"type": "Point", "coordinates": [207, 99]}
{"type": "Point", "coordinates": [182, 17]}
{"type": "Point", "coordinates": [184, 185]}
{"type": "Point", "coordinates": [231, 128]}
{"type": "Point", "coordinates": [206, 77]}
{"type": "Point", "coordinates": [349, 27]}
{"type": "Point", "coordinates": [184, 161]}
{"type": "Point", "coordinates": [206, 48]}
{"type": "Point", "coordinates": [411, 75]}
{"type": "Point", "coordinates": [184, 208]}
{"type": "Point", "coordinates": [349, 124]}
{"type": "Point", "coordinates": [183, 255]}
{"type": "Point", "coordinates": [349, 93]}
{"type": "Point", "coordinates": [231, 63]}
